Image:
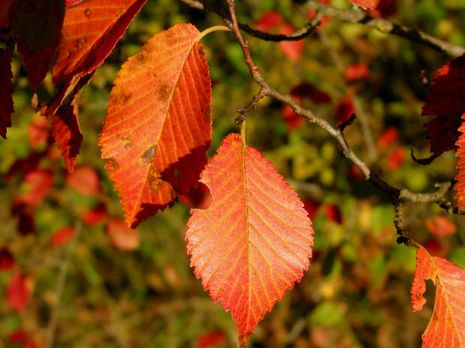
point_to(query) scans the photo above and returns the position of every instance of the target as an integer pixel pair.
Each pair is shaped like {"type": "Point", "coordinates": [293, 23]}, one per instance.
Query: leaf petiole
{"type": "Point", "coordinates": [213, 29]}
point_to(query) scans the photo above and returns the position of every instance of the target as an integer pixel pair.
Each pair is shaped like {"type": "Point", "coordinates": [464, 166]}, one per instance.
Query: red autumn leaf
{"type": "Point", "coordinates": [18, 292]}
{"type": "Point", "coordinates": [446, 103]}
{"type": "Point", "coordinates": [7, 260]}
{"type": "Point", "coordinates": [20, 336]}
{"type": "Point", "coordinates": [388, 137]}
{"type": "Point", "coordinates": [39, 131]}
{"type": "Point", "coordinates": [72, 2]}
{"type": "Point", "coordinates": [197, 197]}
{"type": "Point", "coordinates": [62, 236]}
{"type": "Point", "coordinates": [355, 174]}
{"type": "Point", "coordinates": [460, 176]}
{"type": "Point", "coordinates": [121, 236]}
{"type": "Point", "coordinates": [396, 158]}
{"type": "Point", "coordinates": [291, 49]}
{"type": "Point", "coordinates": [269, 21]}
{"type": "Point", "coordinates": [356, 72]}
{"type": "Point", "coordinates": [345, 110]}
{"type": "Point", "coordinates": [447, 325]}
{"type": "Point", "coordinates": [84, 180]}
{"type": "Point", "coordinates": [95, 215]}
{"type": "Point", "coordinates": [211, 339]}
{"type": "Point", "coordinates": [333, 213]}
{"type": "Point", "coordinates": [312, 13]}
{"type": "Point", "coordinates": [167, 86]}
{"type": "Point", "coordinates": [6, 90]}
{"type": "Point", "coordinates": [37, 27]}
{"type": "Point", "coordinates": [255, 239]}
{"type": "Point", "coordinates": [91, 30]}
{"type": "Point", "coordinates": [440, 225]}
{"type": "Point", "coordinates": [36, 185]}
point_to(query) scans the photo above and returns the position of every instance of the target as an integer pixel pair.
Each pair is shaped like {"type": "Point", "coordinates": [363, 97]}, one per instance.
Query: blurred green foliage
{"type": "Point", "coordinates": [356, 292]}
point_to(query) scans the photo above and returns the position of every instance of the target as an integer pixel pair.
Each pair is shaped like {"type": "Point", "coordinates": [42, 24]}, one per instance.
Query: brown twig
{"type": "Point", "coordinates": [386, 26]}
{"type": "Point", "coordinates": [299, 34]}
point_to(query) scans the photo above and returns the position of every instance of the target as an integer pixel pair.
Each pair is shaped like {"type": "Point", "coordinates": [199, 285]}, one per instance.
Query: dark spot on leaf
{"type": "Point", "coordinates": [141, 57]}
{"type": "Point", "coordinates": [125, 140]}
{"type": "Point", "coordinates": [148, 154]}
{"type": "Point", "coordinates": [88, 12]}
{"type": "Point", "coordinates": [164, 93]}
{"type": "Point", "coordinates": [112, 164]}
{"type": "Point", "coordinates": [81, 42]}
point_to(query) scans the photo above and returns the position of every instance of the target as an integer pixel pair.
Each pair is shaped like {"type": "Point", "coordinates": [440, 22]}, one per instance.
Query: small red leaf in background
{"type": "Point", "coordinates": [121, 236]}
{"type": "Point", "coordinates": [85, 180]}
{"type": "Point", "coordinates": [269, 21]}
{"type": "Point", "coordinates": [18, 292]}
{"type": "Point", "coordinates": [312, 207]}
{"type": "Point", "coordinates": [460, 176]}
{"type": "Point", "coordinates": [167, 85]}
{"type": "Point", "coordinates": [440, 225]}
{"type": "Point", "coordinates": [6, 90]}
{"type": "Point", "coordinates": [24, 216]}
{"type": "Point", "coordinates": [344, 111]}
{"type": "Point", "coordinates": [388, 137]}
{"type": "Point", "coordinates": [20, 336]}
{"type": "Point", "coordinates": [378, 8]}
{"type": "Point", "coordinates": [355, 174]}
{"type": "Point", "coordinates": [333, 213]}
{"type": "Point", "coordinates": [37, 27]}
{"type": "Point", "coordinates": [72, 2]}
{"type": "Point", "coordinates": [62, 236]}
{"type": "Point", "coordinates": [7, 260]}
{"type": "Point", "coordinates": [291, 49]}
{"type": "Point", "coordinates": [39, 131]}
{"type": "Point", "coordinates": [255, 239]}
{"type": "Point", "coordinates": [211, 339]}
{"type": "Point", "coordinates": [95, 215]}
{"type": "Point", "coordinates": [292, 119]}
{"type": "Point", "coordinates": [434, 247]}
{"type": "Point", "coordinates": [396, 158]}
{"type": "Point", "coordinates": [447, 324]}
{"type": "Point", "coordinates": [356, 72]}
{"type": "Point", "coordinates": [36, 185]}
{"type": "Point", "coordinates": [446, 103]}
{"type": "Point", "coordinates": [301, 92]}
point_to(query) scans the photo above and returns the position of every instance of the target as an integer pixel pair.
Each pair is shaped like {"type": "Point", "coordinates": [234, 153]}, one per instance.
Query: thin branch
{"type": "Point", "coordinates": [386, 26]}
{"type": "Point", "coordinates": [299, 34]}
{"type": "Point", "coordinates": [61, 280]}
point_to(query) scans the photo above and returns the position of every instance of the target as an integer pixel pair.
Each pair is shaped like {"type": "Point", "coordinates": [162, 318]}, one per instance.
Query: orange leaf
{"type": "Point", "coordinates": [158, 123]}
{"type": "Point", "coordinates": [447, 325]}
{"type": "Point", "coordinates": [121, 236]}
{"type": "Point", "coordinates": [255, 239]}
{"type": "Point", "coordinates": [91, 30]}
